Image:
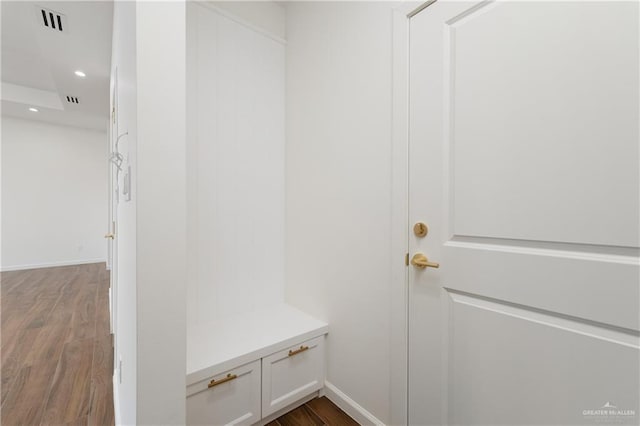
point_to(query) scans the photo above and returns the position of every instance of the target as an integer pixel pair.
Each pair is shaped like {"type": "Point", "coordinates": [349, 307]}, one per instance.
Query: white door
{"type": "Point", "coordinates": [524, 167]}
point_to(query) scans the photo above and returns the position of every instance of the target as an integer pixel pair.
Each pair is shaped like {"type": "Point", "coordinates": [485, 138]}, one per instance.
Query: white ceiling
{"type": "Point", "coordinates": [38, 63]}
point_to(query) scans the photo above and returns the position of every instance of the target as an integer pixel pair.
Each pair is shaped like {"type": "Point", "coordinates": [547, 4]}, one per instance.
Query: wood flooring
{"type": "Point", "coordinates": [56, 351]}
{"type": "Point", "coordinates": [317, 412]}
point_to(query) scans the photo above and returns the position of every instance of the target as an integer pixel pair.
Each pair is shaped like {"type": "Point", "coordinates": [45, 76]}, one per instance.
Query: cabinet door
{"type": "Point", "coordinates": [292, 374]}
{"type": "Point", "coordinates": [230, 398]}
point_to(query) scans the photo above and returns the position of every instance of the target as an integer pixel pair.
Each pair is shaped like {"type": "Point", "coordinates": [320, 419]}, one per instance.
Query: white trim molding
{"type": "Point", "coordinates": [116, 401]}
{"type": "Point", "coordinates": [349, 406]}
{"type": "Point", "coordinates": [238, 20]}
{"type": "Point", "coordinates": [50, 264]}
{"type": "Point", "coordinates": [399, 336]}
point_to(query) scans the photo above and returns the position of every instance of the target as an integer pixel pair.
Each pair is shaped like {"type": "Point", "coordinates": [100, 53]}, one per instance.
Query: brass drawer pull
{"type": "Point", "coordinates": [297, 351]}
{"type": "Point", "coordinates": [221, 381]}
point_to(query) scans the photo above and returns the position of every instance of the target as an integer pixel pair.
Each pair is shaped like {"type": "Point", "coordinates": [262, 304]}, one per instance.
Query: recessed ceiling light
{"type": "Point", "coordinates": [80, 74]}
{"type": "Point", "coordinates": [32, 109]}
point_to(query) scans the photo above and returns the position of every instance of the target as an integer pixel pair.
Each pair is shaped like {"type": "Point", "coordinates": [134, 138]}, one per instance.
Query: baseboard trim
{"type": "Point", "coordinates": [349, 406]}
{"type": "Point", "coordinates": [50, 265]}
{"type": "Point", "coordinates": [116, 402]}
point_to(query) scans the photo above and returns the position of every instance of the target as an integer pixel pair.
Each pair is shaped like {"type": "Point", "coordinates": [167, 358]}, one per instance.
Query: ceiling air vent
{"type": "Point", "coordinates": [53, 20]}
{"type": "Point", "coordinates": [72, 100]}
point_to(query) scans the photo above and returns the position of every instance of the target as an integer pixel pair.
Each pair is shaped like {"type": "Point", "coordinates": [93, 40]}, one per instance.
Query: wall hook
{"type": "Point", "coordinates": [117, 158]}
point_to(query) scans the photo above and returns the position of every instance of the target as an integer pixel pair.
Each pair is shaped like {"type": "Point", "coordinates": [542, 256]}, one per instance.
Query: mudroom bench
{"type": "Point", "coordinates": [251, 368]}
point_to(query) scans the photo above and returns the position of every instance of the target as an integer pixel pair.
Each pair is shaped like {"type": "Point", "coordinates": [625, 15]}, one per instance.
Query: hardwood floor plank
{"type": "Point", "coordinates": [13, 356]}
{"type": "Point", "coordinates": [83, 324]}
{"type": "Point", "coordinates": [102, 368]}
{"type": "Point", "coordinates": [71, 386]}
{"type": "Point", "coordinates": [103, 325]}
{"type": "Point", "coordinates": [67, 298]}
{"type": "Point", "coordinates": [50, 341]}
{"type": "Point", "coordinates": [318, 411]}
{"type": "Point", "coordinates": [23, 403]}
{"type": "Point", "coordinates": [39, 307]}
{"type": "Point", "coordinates": [330, 413]}
{"type": "Point", "coordinates": [301, 416]}
{"type": "Point", "coordinates": [101, 406]}
{"type": "Point", "coordinates": [13, 280]}
{"type": "Point", "coordinates": [82, 421]}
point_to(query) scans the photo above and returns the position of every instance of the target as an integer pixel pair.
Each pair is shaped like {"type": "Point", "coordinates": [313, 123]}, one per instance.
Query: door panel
{"type": "Point", "coordinates": [511, 362]}
{"type": "Point", "coordinates": [534, 84]}
{"type": "Point", "coordinates": [524, 165]}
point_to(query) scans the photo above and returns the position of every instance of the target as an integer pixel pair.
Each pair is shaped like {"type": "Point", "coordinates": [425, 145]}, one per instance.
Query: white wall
{"type": "Point", "coordinates": [54, 194]}
{"type": "Point", "coordinates": [149, 54]}
{"type": "Point", "coordinates": [235, 166]}
{"type": "Point", "coordinates": [339, 110]}
{"type": "Point", "coordinates": [161, 212]}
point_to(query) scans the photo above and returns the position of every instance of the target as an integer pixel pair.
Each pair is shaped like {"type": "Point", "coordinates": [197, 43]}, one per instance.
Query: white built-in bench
{"type": "Point", "coordinates": [252, 367]}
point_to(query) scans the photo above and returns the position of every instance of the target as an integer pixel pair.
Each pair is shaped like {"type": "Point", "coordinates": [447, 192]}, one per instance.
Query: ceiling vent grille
{"type": "Point", "coordinates": [53, 20]}
{"type": "Point", "coordinates": [72, 100]}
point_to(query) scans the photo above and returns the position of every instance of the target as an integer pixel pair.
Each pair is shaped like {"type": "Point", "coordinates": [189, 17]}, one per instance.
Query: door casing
{"type": "Point", "coordinates": [400, 209]}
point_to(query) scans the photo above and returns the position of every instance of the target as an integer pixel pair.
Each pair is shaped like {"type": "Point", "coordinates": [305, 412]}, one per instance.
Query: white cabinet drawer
{"type": "Point", "coordinates": [232, 398]}
{"type": "Point", "coordinates": [292, 374]}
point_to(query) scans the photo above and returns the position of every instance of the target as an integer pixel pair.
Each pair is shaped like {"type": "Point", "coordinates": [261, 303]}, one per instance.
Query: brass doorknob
{"type": "Point", "coordinates": [110, 235]}
{"type": "Point", "coordinates": [419, 260]}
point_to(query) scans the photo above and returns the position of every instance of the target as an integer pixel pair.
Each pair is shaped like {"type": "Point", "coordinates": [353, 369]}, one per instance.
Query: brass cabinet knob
{"type": "Point", "coordinates": [110, 235]}
{"type": "Point", "coordinates": [419, 260]}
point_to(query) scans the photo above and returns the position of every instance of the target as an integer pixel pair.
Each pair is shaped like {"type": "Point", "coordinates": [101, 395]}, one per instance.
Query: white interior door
{"type": "Point", "coordinates": [524, 166]}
